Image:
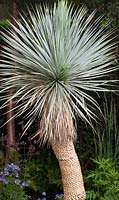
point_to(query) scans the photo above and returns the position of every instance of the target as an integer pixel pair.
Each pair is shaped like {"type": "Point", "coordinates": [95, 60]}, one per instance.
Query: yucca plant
{"type": "Point", "coordinates": [54, 60]}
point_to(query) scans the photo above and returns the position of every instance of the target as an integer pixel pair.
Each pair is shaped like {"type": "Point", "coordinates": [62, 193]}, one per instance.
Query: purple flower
{"type": "Point", "coordinates": [6, 172]}
{"type": "Point", "coordinates": [2, 179]}
{"type": "Point", "coordinates": [6, 182]}
{"type": "Point", "coordinates": [13, 167]}
{"type": "Point", "coordinates": [17, 181]}
{"type": "Point", "coordinates": [58, 196]}
{"type": "Point", "coordinates": [17, 174]}
{"type": "Point", "coordinates": [44, 198]}
{"type": "Point", "coordinates": [44, 193]}
{"type": "Point", "coordinates": [25, 183]}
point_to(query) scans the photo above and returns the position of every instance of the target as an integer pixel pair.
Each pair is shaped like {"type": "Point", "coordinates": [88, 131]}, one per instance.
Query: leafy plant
{"type": "Point", "coordinates": [44, 173]}
{"type": "Point", "coordinates": [103, 182]}
{"type": "Point", "coordinates": [11, 184]}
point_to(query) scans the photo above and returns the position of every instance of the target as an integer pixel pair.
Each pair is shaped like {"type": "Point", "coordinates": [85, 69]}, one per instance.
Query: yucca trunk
{"type": "Point", "coordinates": [71, 171]}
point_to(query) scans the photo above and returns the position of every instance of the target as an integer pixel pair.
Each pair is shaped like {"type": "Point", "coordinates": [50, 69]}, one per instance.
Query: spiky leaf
{"type": "Point", "coordinates": [54, 61]}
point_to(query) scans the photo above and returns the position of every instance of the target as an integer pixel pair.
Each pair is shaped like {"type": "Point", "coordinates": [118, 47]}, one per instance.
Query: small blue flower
{"type": "Point", "coordinates": [39, 198]}
{"type": "Point", "coordinates": [44, 193]}
{"type": "Point", "coordinates": [2, 179]}
{"type": "Point", "coordinates": [59, 196]}
{"type": "Point", "coordinates": [6, 182]}
{"type": "Point", "coordinates": [44, 198]}
{"type": "Point", "coordinates": [25, 183]}
{"type": "Point", "coordinates": [17, 181]}
{"type": "Point", "coordinates": [6, 172]}
{"type": "Point", "coordinates": [17, 175]}
{"type": "Point", "coordinates": [13, 167]}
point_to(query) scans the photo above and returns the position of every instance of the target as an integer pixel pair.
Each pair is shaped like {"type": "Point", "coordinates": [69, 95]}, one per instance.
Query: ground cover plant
{"type": "Point", "coordinates": [55, 61]}
{"type": "Point", "coordinates": [13, 185]}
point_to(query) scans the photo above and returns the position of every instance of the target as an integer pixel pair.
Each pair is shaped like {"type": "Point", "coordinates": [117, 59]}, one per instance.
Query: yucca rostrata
{"type": "Point", "coordinates": [54, 59]}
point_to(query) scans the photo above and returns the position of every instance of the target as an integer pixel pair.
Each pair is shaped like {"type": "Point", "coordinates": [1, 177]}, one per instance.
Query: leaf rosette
{"type": "Point", "coordinates": [54, 61]}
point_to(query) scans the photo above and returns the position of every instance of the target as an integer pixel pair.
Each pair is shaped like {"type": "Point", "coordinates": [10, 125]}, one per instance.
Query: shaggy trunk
{"type": "Point", "coordinates": [71, 171]}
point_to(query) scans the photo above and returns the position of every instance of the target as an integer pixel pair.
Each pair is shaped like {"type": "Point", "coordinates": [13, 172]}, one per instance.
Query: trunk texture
{"type": "Point", "coordinates": [11, 142]}
{"type": "Point", "coordinates": [71, 171]}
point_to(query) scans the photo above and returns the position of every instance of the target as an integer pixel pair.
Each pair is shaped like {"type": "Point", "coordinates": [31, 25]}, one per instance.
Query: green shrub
{"type": "Point", "coordinates": [44, 173]}
{"type": "Point", "coordinates": [103, 182]}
